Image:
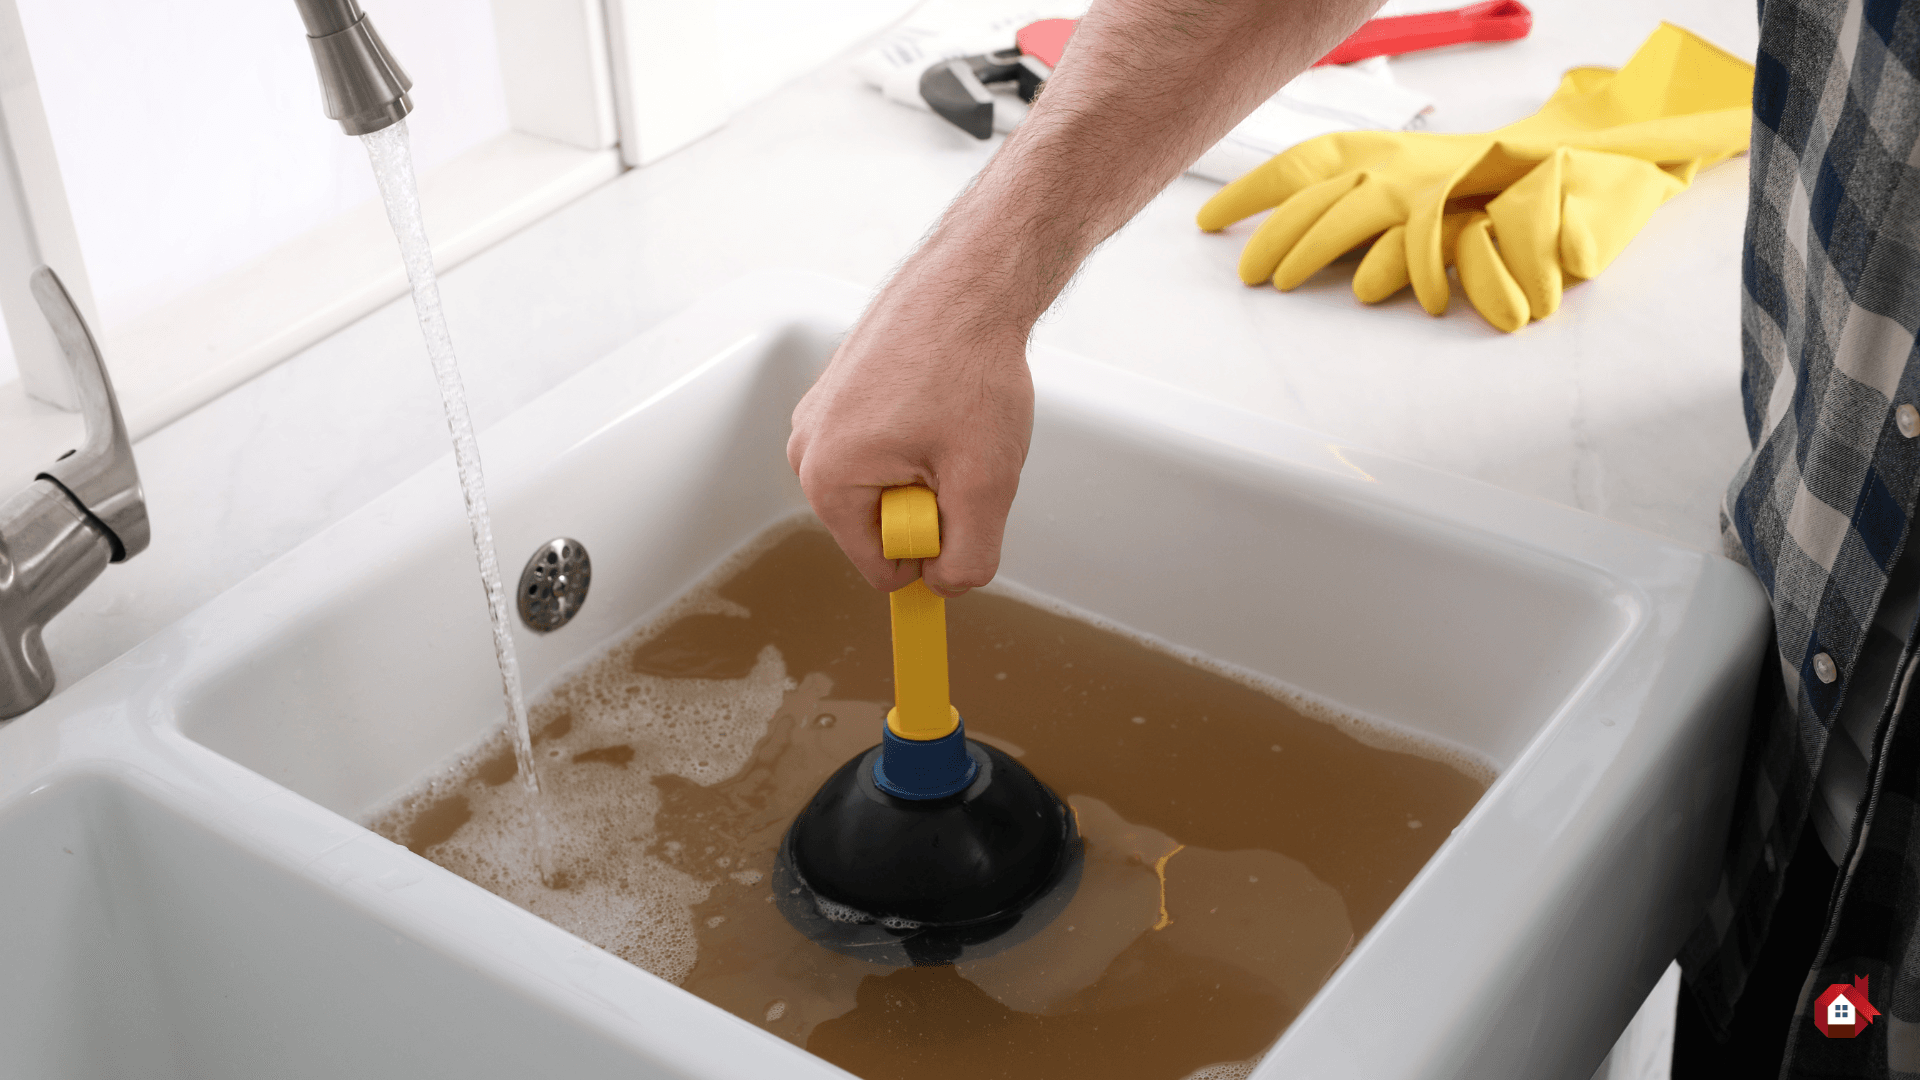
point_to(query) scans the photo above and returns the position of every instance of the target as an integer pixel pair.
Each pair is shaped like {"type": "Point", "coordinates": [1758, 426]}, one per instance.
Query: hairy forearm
{"type": "Point", "coordinates": [1145, 88]}
{"type": "Point", "coordinates": [931, 385]}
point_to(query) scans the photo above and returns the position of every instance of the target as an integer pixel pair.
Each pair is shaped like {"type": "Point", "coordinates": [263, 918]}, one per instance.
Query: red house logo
{"type": "Point", "coordinates": [1842, 1011]}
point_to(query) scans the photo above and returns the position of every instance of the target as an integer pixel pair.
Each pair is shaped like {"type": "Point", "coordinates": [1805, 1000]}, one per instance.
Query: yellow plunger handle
{"type": "Point", "coordinates": [910, 529]}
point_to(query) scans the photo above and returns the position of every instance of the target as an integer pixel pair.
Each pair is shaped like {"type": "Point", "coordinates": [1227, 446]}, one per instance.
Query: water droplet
{"type": "Point", "coordinates": [824, 719]}
{"type": "Point", "coordinates": [1139, 719]}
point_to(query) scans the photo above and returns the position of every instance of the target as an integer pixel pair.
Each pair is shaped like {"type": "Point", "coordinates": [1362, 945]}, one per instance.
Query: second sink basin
{"type": "Point", "coordinates": [144, 942]}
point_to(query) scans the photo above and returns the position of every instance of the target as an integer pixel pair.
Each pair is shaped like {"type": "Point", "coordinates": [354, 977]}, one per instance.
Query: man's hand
{"type": "Point", "coordinates": [932, 387]}
{"type": "Point", "coordinates": [920, 393]}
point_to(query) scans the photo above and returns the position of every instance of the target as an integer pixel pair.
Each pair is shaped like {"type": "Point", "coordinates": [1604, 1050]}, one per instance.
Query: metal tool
{"type": "Point", "coordinates": [360, 81]}
{"type": "Point", "coordinates": [84, 511]}
{"type": "Point", "coordinates": [960, 89]}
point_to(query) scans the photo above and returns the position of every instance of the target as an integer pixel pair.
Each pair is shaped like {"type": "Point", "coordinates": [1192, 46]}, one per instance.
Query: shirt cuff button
{"type": "Point", "coordinates": [1823, 668]}
{"type": "Point", "coordinates": [1907, 419]}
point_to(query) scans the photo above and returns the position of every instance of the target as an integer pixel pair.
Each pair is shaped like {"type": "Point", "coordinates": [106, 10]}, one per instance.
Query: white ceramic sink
{"type": "Point", "coordinates": [149, 942]}
{"type": "Point", "coordinates": [184, 883]}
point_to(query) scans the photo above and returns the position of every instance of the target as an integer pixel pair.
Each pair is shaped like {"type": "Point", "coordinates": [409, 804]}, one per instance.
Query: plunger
{"type": "Point", "coordinates": [930, 847]}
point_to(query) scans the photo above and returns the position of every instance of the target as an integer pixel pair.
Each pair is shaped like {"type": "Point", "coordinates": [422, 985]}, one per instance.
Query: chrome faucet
{"type": "Point", "coordinates": [87, 509]}
{"type": "Point", "coordinates": [84, 511]}
{"type": "Point", "coordinates": [361, 83]}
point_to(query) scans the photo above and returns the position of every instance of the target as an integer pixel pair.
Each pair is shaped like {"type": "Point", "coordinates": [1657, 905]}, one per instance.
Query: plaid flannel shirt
{"type": "Point", "coordinates": [1829, 308]}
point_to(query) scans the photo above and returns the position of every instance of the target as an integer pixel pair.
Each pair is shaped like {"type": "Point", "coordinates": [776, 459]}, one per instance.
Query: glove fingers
{"type": "Point", "coordinates": [1428, 240]}
{"type": "Point", "coordinates": [1383, 271]}
{"type": "Point", "coordinates": [1365, 211]}
{"type": "Point", "coordinates": [1485, 279]}
{"type": "Point", "coordinates": [1451, 226]}
{"type": "Point", "coordinates": [1285, 226]}
{"type": "Point", "coordinates": [1276, 180]}
{"type": "Point", "coordinates": [1267, 186]}
{"type": "Point", "coordinates": [1526, 217]}
{"type": "Point", "coordinates": [1431, 234]}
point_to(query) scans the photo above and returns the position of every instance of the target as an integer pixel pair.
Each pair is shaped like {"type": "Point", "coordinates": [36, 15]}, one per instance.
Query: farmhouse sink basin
{"type": "Point", "coordinates": [148, 942]}
{"type": "Point", "coordinates": [186, 891]}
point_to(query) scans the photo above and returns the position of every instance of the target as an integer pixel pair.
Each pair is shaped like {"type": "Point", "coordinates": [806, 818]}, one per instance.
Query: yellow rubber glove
{"type": "Point", "coordinates": [1384, 270]}
{"type": "Point", "coordinates": [1465, 241]}
{"type": "Point", "coordinates": [1568, 217]}
{"type": "Point", "coordinates": [1679, 99]}
{"type": "Point", "coordinates": [1574, 213]}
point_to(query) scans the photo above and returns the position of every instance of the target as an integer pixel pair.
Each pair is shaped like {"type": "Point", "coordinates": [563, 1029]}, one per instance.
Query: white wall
{"type": "Point", "coordinates": [191, 140]}
{"type": "Point", "coordinates": [190, 133]}
{"type": "Point", "coordinates": [768, 43]}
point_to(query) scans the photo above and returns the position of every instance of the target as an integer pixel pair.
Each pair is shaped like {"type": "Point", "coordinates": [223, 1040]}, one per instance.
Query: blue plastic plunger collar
{"type": "Point", "coordinates": [924, 769]}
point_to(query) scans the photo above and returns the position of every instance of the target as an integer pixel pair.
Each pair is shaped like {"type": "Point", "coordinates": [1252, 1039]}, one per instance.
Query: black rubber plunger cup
{"type": "Point", "coordinates": [928, 848]}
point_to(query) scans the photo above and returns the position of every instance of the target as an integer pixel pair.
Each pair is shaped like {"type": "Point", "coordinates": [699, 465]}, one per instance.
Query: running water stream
{"type": "Point", "coordinates": [393, 171]}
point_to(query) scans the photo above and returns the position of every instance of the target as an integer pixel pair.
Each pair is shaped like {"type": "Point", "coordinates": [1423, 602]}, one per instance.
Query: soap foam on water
{"type": "Point", "coordinates": [704, 730]}
{"type": "Point", "coordinates": [1227, 1070]}
{"type": "Point", "coordinates": [616, 893]}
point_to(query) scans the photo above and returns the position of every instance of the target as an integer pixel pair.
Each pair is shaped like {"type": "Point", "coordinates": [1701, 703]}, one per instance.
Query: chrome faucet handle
{"type": "Point", "coordinates": [100, 476]}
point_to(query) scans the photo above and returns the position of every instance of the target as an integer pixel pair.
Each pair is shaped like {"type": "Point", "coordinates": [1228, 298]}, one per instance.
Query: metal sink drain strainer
{"type": "Point", "coordinates": [554, 584]}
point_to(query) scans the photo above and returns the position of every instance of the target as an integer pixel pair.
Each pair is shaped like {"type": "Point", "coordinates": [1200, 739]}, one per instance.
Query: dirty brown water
{"type": "Point", "coordinates": [1236, 847]}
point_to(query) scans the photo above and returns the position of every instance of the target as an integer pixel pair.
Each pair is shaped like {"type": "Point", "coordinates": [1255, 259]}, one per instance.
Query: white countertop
{"type": "Point", "coordinates": [1625, 403]}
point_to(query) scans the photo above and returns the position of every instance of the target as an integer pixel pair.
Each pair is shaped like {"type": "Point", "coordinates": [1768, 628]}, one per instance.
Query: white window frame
{"type": "Point", "coordinates": [592, 87]}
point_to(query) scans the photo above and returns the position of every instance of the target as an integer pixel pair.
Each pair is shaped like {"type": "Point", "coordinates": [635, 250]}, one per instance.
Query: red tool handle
{"type": "Point", "coordinates": [1495, 20]}
{"type": "Point", "coordinates": [1045, 40]}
